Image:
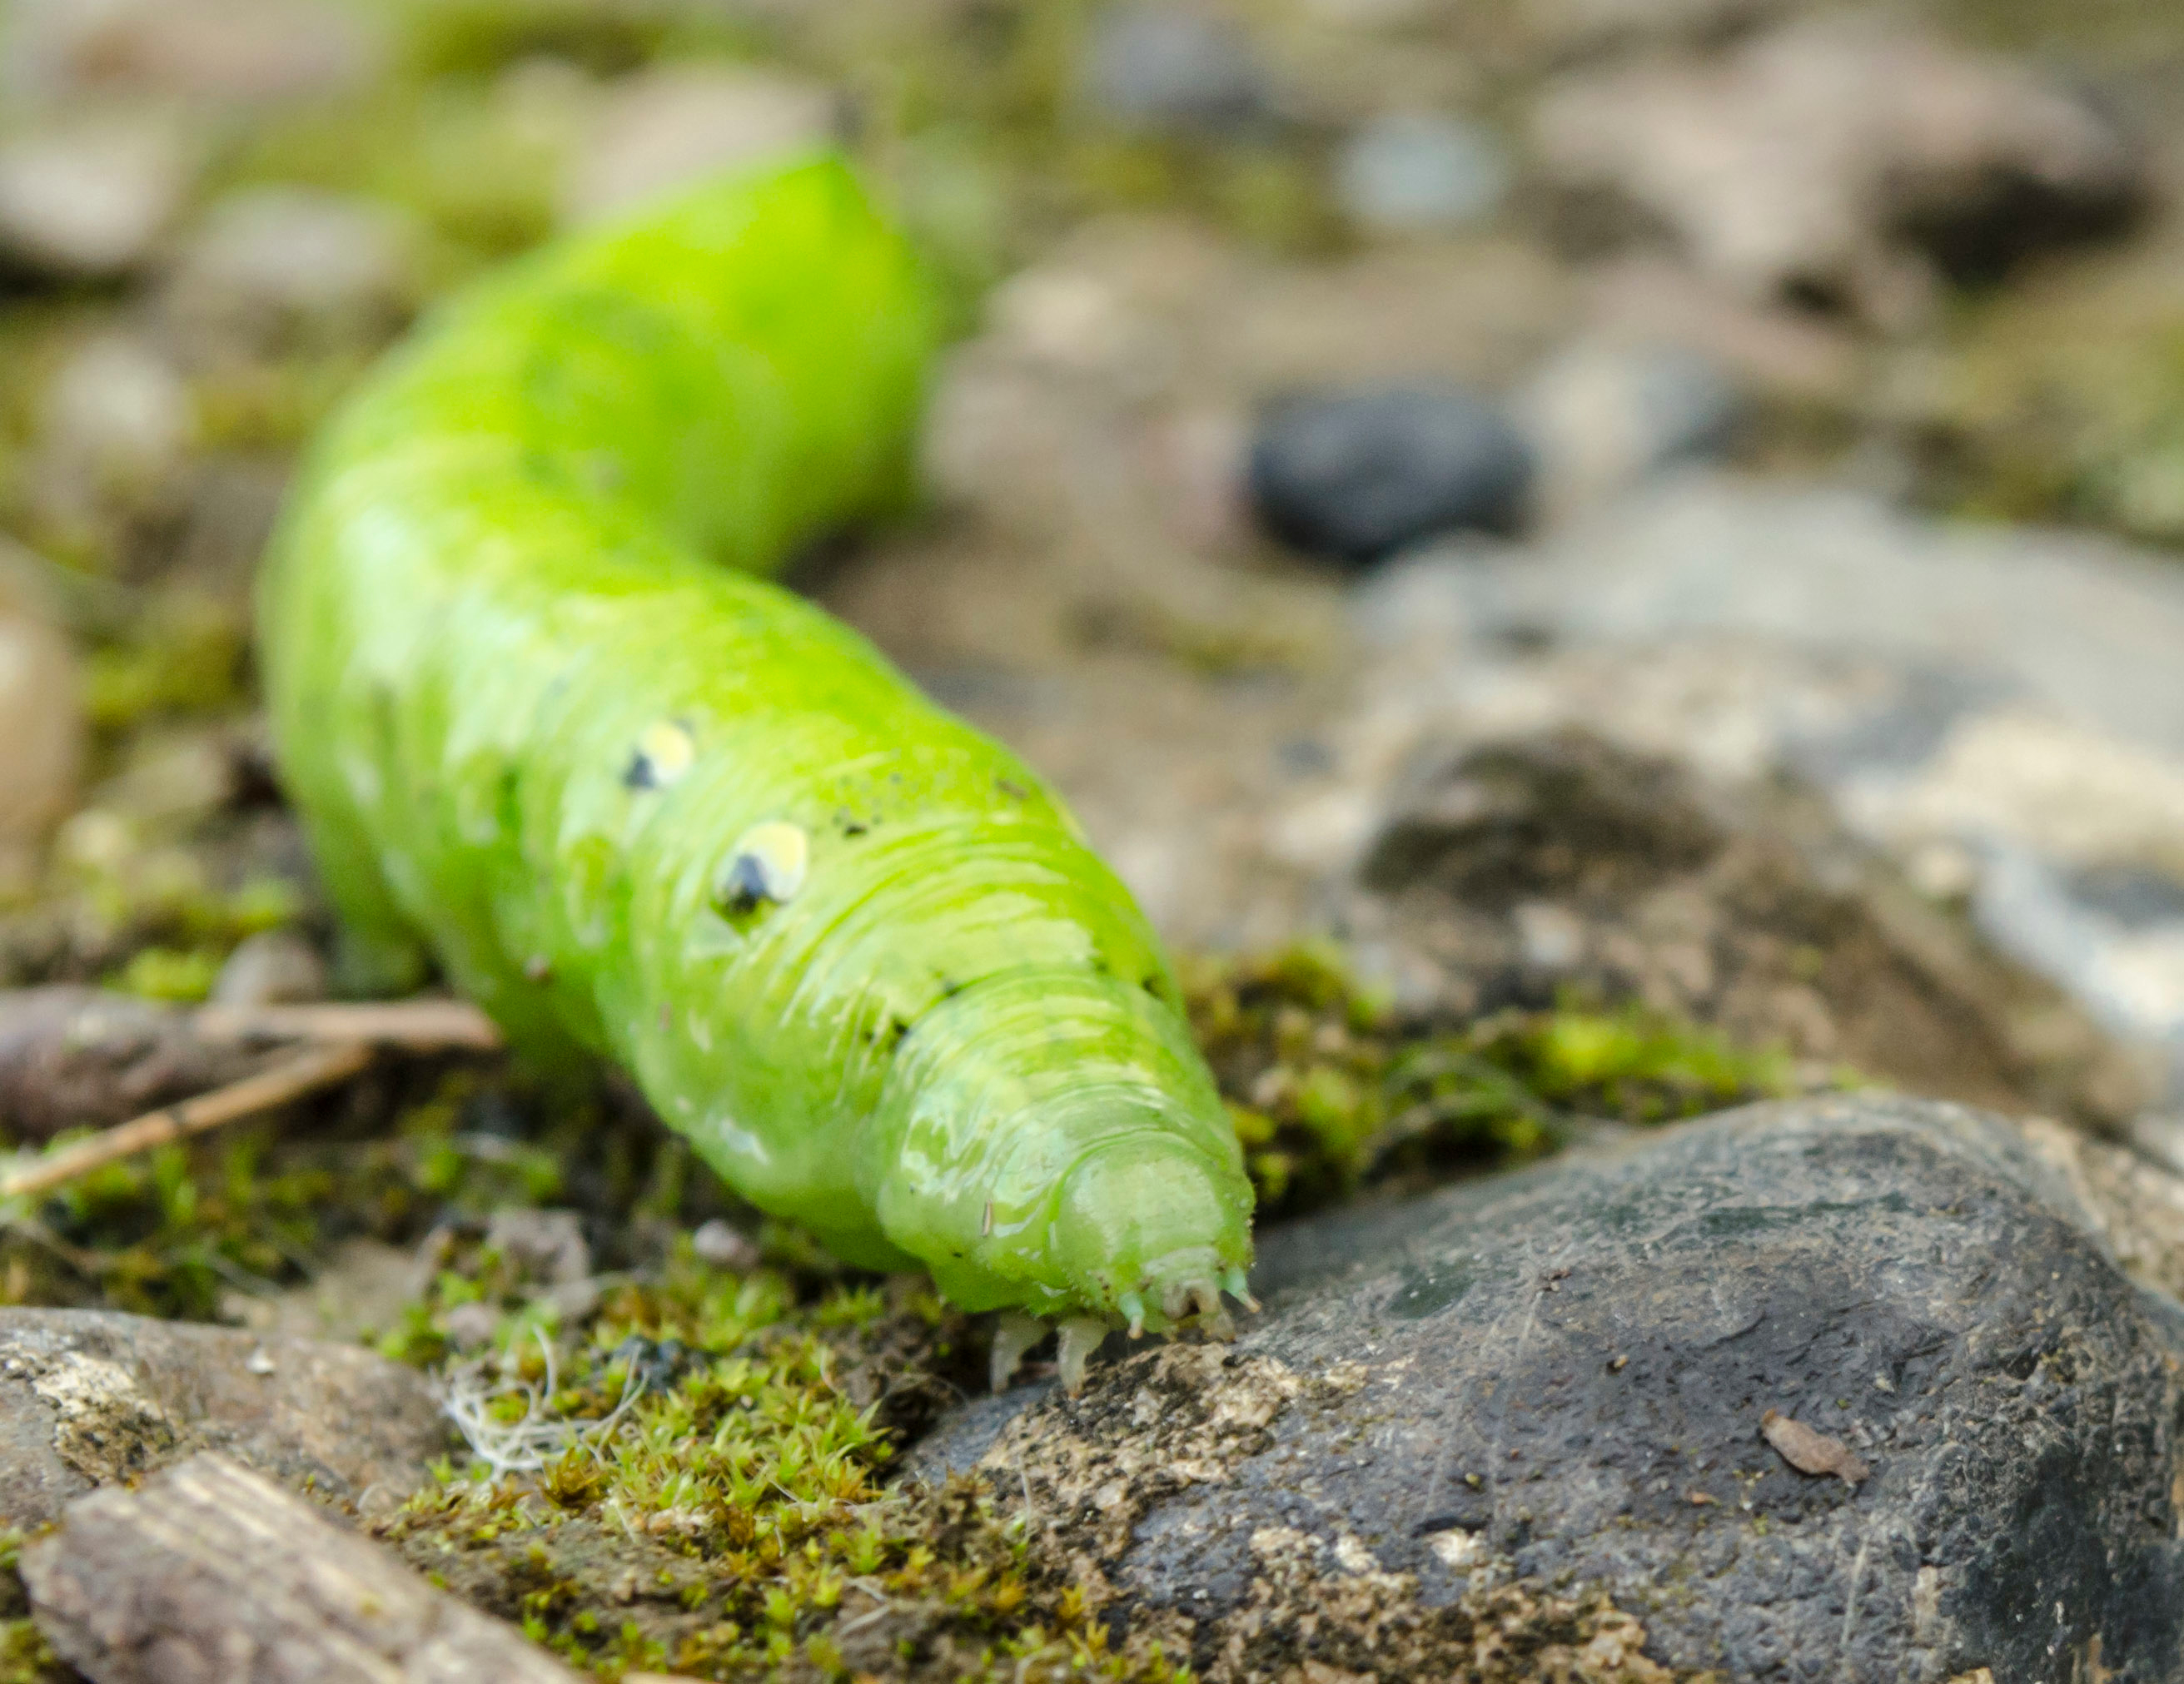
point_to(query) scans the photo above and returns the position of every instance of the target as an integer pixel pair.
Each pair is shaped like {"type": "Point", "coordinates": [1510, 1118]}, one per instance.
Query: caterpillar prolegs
{"type": "Point", "coordinates": [541, 715]}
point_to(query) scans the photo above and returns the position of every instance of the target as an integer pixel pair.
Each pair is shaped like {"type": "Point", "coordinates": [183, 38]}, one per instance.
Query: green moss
{"type": "Point", "coordinates": [184, 654]}
{"type": "Point", "coordinates": [477, 167]}
{"type": "Point", "coordinates": [1327, 1086]}
{"type": "Point", "coordinates": [2063, 399]}
{"type": "Point", "coordinates": [274, 406]}
{"type": "Point", "coordinates": [25, 1657]}
{"type": "Point", "coordinates": [468, 38]}
{"type": "Point", "coordinates": [733, 1522]}
{"type": "Point", "coordinates": [148, 916]}
{"type": "Point", "coordinates": [178, 974]}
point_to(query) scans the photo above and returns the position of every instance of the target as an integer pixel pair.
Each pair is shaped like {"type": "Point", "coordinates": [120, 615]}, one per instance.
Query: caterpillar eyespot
{"type": "Point", "coordinates": [663, 753]}
{"type": "Point", "coordinates": [767, 863]}
{"type": "Point", "coordinates": [543, 718]}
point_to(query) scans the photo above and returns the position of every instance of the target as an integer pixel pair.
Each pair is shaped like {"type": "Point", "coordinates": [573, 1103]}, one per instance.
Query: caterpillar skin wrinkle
{"type": "Point", "coordinates": [543, 718]}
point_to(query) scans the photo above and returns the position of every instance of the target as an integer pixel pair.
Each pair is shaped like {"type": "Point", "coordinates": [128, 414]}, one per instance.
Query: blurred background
{"type": "Point", "coordinates": [1670, 502]}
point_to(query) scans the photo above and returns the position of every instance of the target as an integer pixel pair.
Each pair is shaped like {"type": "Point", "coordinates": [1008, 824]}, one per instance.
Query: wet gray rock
{"type": "Point", "coordinates": [89, 1396]}
{"type": "Point", "coordinates": [1420, 172]}
{"type": "Point", "coordinates": [1175, 70]}
{"type": "Point", "coordinates": [1561, 1377]}
{"type": "Point", "coordinates": [1355, 475]}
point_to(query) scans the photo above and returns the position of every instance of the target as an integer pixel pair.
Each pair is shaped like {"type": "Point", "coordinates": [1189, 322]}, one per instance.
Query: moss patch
{"type": "Point", "coordinates": [25, 1657]}
{"type": "Point", "coordinates": [1329, 1087]}
{"type": "Point", "coordinates": [692, 1480]}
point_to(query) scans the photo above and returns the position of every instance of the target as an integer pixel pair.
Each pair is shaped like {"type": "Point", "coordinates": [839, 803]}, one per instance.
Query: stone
{"type": "Point", "coordinates": [1175, 70]}
{"type": "Point", "coordinates": [357, 1292]}
{"type": "Point", "coordinates": [1356, 475]}
{"type": "Point", "coordinates": [210, 51]}
{"type": "Point", "coordinates": [1602, 417]}
{"type": "Point", "coordinates": [90, 1397]}
{"type": "Point", "coordinates": [268, 266]}
{"type": "Point", "coordinates": [273, 967]}
{"type": "Point", "coordinates": [671, 125]}
{"type": "Point", "coordinates": [720, 1244]}
{"type": "Point", "coordinates": [1519, 872]}
{"type": "Point", "coordinates": [42, 735]}
{"type": "Point", "coordinates": [1998, 710]}
{"type": "Point", "coordinates": [548, 1246]}
{"type": "Point", "coordinates": [116, 431]}
{"type": "Point", "coordinates": [1408, 172]}
{"type": "Point", "coordinates": [1562, 1379]}
{"type": "Point", "coordinates": [1788, 356]}
{"type": "Point", "coordinates": [1842, 160]}
{"type": "Point", "coordinates": [1572, 28]}
{"type": "Point", "coordinates": [90, 198]}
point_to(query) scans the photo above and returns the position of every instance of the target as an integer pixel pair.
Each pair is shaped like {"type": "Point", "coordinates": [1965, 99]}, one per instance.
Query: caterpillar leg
{"type": "Point", "coordinates": [1016, 1334]}
{"type": "Point", "coordinates": [1081, 1336]}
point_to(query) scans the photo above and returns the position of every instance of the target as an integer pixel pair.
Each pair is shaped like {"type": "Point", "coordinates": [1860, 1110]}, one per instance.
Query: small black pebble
{"type": "Point", "coordinates": [1356, 475]}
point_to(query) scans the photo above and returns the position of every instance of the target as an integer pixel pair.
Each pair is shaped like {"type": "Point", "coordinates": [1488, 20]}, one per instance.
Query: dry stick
{"type": "Point", "coordinates": [292, 1079]}
{"type": "Point", "coordinates": [415, 1025]}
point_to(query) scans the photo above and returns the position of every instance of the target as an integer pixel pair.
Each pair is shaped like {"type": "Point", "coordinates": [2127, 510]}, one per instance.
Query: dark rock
{"type": "Point", "coordinates": [1174, 70]}
{"type": "Point", "coordinates": [88, 1397]}
{"type": "Point", "coordinates": [1561, 1378]}
{"type": "Point", "coordinates": [1355, 475]}
{"type": "Point", "coordinates": [1531, 820]}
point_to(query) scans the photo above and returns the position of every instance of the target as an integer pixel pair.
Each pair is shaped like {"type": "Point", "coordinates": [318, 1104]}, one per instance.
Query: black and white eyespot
{"type": "Point", "coordinates": [664, 752]}
{"type": "Point", "coordinates": [767, 863]}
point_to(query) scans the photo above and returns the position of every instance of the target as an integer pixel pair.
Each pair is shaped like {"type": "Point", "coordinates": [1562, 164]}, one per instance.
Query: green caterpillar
{"type": "Point", "coordinates": [539, 715]}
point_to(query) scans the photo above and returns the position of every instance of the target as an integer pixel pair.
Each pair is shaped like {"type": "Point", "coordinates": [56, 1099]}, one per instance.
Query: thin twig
{"type": "Point", "coordinates": [415, 1026]}
{"type": "Point", "coordinates": [292, 1079]}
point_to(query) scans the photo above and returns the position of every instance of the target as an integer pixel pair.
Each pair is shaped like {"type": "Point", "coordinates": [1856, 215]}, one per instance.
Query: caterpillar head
{"type": "Point", "coordinates": [1058, 1150]}
{"type": "Point", "coordinates": [1144, 1230]}
{"type": "Point", "coordinates": [1146, 1238]}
